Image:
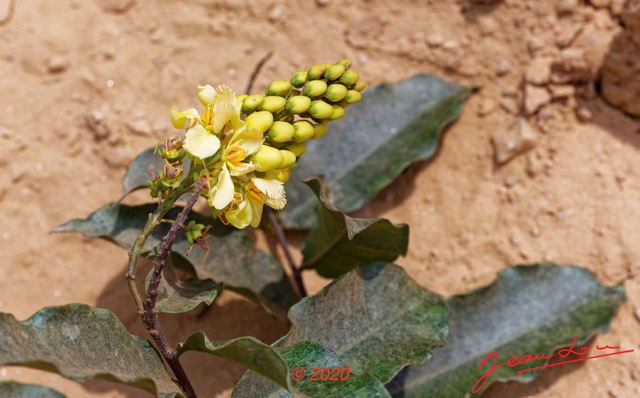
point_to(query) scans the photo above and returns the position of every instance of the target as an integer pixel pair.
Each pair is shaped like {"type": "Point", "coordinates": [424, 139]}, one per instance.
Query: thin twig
{"type": "Point", "coordinates": [256, 71]}
{"type": "Point", "coordinates": [150, 315]}
{"type": "Point", "coordinates": [282, 240]}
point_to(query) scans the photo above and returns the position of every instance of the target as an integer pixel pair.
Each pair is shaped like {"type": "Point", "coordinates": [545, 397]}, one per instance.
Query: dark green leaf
{"type": "Point", "coordinates": [176, 296]}
{"type": "Point", "coordinates": [340, 243]}
{"type": "Point", "coordinates": [81, 343]}
{"type": "Point", "coordinates": [137, 173]}
{"type": "Point", "coordinates": [394, 126]}
{"type": "Point", "coordinates": [12, 389]}
{"type": "Point", "coordinates": [527, 310]}
{"type": "Point", "coordinates": [375, 318]}
{"type": "Point", "coordinates": [308, 355]}
{"type": "Point", "coordinates": [233, 261]}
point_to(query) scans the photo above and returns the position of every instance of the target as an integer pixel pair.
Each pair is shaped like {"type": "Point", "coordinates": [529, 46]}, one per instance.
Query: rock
{"type": "Point", "coordinates": [539, 71]}
{"type": "Point", "coordinates": [562, 91]}
{"type": "Point", "coordinates": [620, 85]}
{"type": "Point", "coordinates": [139, 127]}
{"type": "Point", "coordinates": [275, 14]}
{"type": "Point", "coordinates": [434, 40]}
{"type": "Point", "coordinates": [571, 66]}
{"type": "Point", "coordinates": [584, 114]}
{"type": "Point", "coordinates": [322, 3]}
{"type": "Point", "coordinates": [534, 98]}
{"type": "Point", "coordinates": [115, 6]}
{"type": "Point", "coordinates": [503, 67]}
{"type": "Point", "coordinates": [519, 138]}
{"type": "Point", "coordinates": [57, 64]}
{"type": "Point", "coordinates": [486, 106]}
{"type": "Point", "coordinates": [534, 44]}
{"type": "Point", "coordinates": [102, 127]}
{"type": "Point", "coordinates": [510, 105]}
{"type": "Point", "coordinates": [567, 6]}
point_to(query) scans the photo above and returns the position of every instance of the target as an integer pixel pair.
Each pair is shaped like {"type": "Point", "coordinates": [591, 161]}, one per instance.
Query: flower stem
{"type": "Point", "coordinates": [296, 272]}
{"type": "Point", "coordinates": [150, 315]}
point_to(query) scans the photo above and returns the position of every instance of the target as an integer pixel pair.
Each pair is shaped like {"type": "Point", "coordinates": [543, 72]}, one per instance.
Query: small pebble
{"type": "Point", "coordinates": [56, 64]}
{"type": "Point", "coordinates": [584, 114]}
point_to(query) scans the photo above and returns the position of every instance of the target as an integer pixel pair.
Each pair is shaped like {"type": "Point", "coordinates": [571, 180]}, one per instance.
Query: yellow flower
{"type": "Point", "coordinates": [202, 139]}
{"type": "Point", "coordinates": [246, 209]}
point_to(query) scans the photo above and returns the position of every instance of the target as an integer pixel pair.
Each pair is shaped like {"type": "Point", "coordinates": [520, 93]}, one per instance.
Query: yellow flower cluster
{"type": "Point", "coordinates": [247, 145]}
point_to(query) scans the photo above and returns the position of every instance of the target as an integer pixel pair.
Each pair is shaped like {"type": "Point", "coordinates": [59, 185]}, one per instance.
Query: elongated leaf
{"type": "Point", "coordinates": [394, 126]}
{"type": "Point", "coordinates": [233, 261]}
{"type": "Point", "coordinates": [176, 296]}
{"type": "Point", "coordinates": [375, 318]}
{"type": "Point", "coordinates": [340, 243]}
{"type": "Point", "coordinates": [12, 389]}
{"type": "Point", "coordinates": [137, 173]}
{"type": "Point", "coordinates": [527, 310]}
{"type": "Point", "coordinates": [81, 343]}
{"type": "Point", "coordinates": [307, 356]}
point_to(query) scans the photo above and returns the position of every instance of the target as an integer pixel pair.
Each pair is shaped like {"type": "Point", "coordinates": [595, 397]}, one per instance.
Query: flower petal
{"type": "Point", "coordinates": [201, 143]}
{"type": "Point", "coordinates": [273, 190]}
{"type": "Point", "coordinates": [207, 95]}
{"type": "Point", "coordinates": [224, 103]}
{"type": "Point", "coordinates": [257, 213]}
{"type": "Point", "coordinates": [249, 139]}
{"type": "Point", "coordinates": [242, 216]}
{"type": "Point", "coordinates": [178, 119]}
{"type": "Point", "coordinates": [223, 191]}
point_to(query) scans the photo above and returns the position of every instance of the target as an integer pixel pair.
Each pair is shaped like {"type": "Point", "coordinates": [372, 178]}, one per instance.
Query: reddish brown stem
{"type": "Point", "coordinates": [296, 272]}
{"type": "Point", "coordinates": [150, 315]}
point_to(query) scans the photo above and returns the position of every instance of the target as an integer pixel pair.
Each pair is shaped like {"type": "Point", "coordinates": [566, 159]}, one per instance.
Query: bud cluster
{"type": "Point", "coordinates": [172, 172]}
{"type": "Point", "coordinates": [292, 112]}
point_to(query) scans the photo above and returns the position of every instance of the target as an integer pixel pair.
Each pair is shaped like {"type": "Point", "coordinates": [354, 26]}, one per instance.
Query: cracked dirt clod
{"type": "Point", "coordinates": [520, 137]}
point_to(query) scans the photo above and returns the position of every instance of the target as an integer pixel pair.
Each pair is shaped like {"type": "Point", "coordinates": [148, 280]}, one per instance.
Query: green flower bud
{"type": "Point", "coordinates": [349, 77]}
{"type": "Point", "coordinates": [279, 88]}
{"type": "Point", "coordinates": [281, 131]}
{"type": "Point", "coordinates": [335, 92]}
{"type": "Point", "coordinates": [334, 72]}
{"type": "Point", "coordinates": [268, 158]}
{"type": "Point", "coordinates": [360, 86]}
{"type": "Point", "coordinates": [338, 112]}
{"type": "Point", "coordinates": [288, 159]}
{"type": "Point", "coordinates": [303, 131]}
{"type": "Point", "coordinates": [319, 130]}
{"type": "Point", "coordinates": [320, 109]}
{"type": "Point", "coordinates": [251, 102]}
{"type": "Point", "coordinates": [297, 148]}
{"type": "Point", "coordinates": [260, 120]}
{"type": "Point", "coordinates": [272, 103]}
{"type": "Point", "coordinates": [299, 79]}
{"type": "Point", "coordinates": [314, 88]}
{"type": "Point", "coordinates": [317, 71]}
{"type": "Point", "coordinates": [352, 97]}
{"type": "Point", "coordinates": [345, 62]}
{"type": "Point", "coordinates": [298, 104]}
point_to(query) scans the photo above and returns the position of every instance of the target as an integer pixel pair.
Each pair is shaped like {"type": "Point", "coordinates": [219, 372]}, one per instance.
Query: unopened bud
{"type": "Point", "coordinates": [261, 121]}
{"type": "Point", "coordinates": [320, 109]}
{"type": "Point", "coordinates": [314, 88]}
{"type": "Point", "coordinates": [272, 103]}
{"type": "Point", "coordinates": [352, 97]}
{"type": "Point", "coordinates": [319, 130]}
{"type": "Point", "coordinates": [334, 72]}
{"type": "Point", "coordinates": [298, 104]}
{"type": "Point", "coordinates": [281, 131]}
{"type": "Point", "coordinates": [299, 79]}
{"type": "Point", "coordinates": [268, 158]}
{"type": "Point", "coordinates": [345, 62]}
{"type": "Point", "coordinates": [297, 148]}
{"type": "Point", "coordinates": [360, 86]}
{"type": "Point", "coordinates": [317, 71]}
{"type": "Point", "coordinates": [288, 159]}
{"type": "Point", "coordinates": [335, 92]}
{"type": "Point", "coordinates": [303, 131]}
{"type": "Point", "coordinates": [279, 88]}
{"type": "Point", "coordinates": [251, 103]}
{"type": "Point", "coordinates": [349, 77]}
{"type": "Point", "coordinates": [241, 98]}
{"type": "Point", "coordinates": [338, 112]}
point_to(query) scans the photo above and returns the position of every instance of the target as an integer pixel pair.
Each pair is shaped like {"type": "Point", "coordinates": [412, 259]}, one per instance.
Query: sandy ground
{"type": "Point", "coordinates": [86, 85]}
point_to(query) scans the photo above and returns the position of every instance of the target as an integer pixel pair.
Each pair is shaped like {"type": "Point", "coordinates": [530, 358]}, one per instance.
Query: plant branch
{"type": "Point", "coordinates": [256, 71]}
{"type": "Point", "coordinates": [150, 315]}
{"type": "Point", "coordinates": [296, 272]}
